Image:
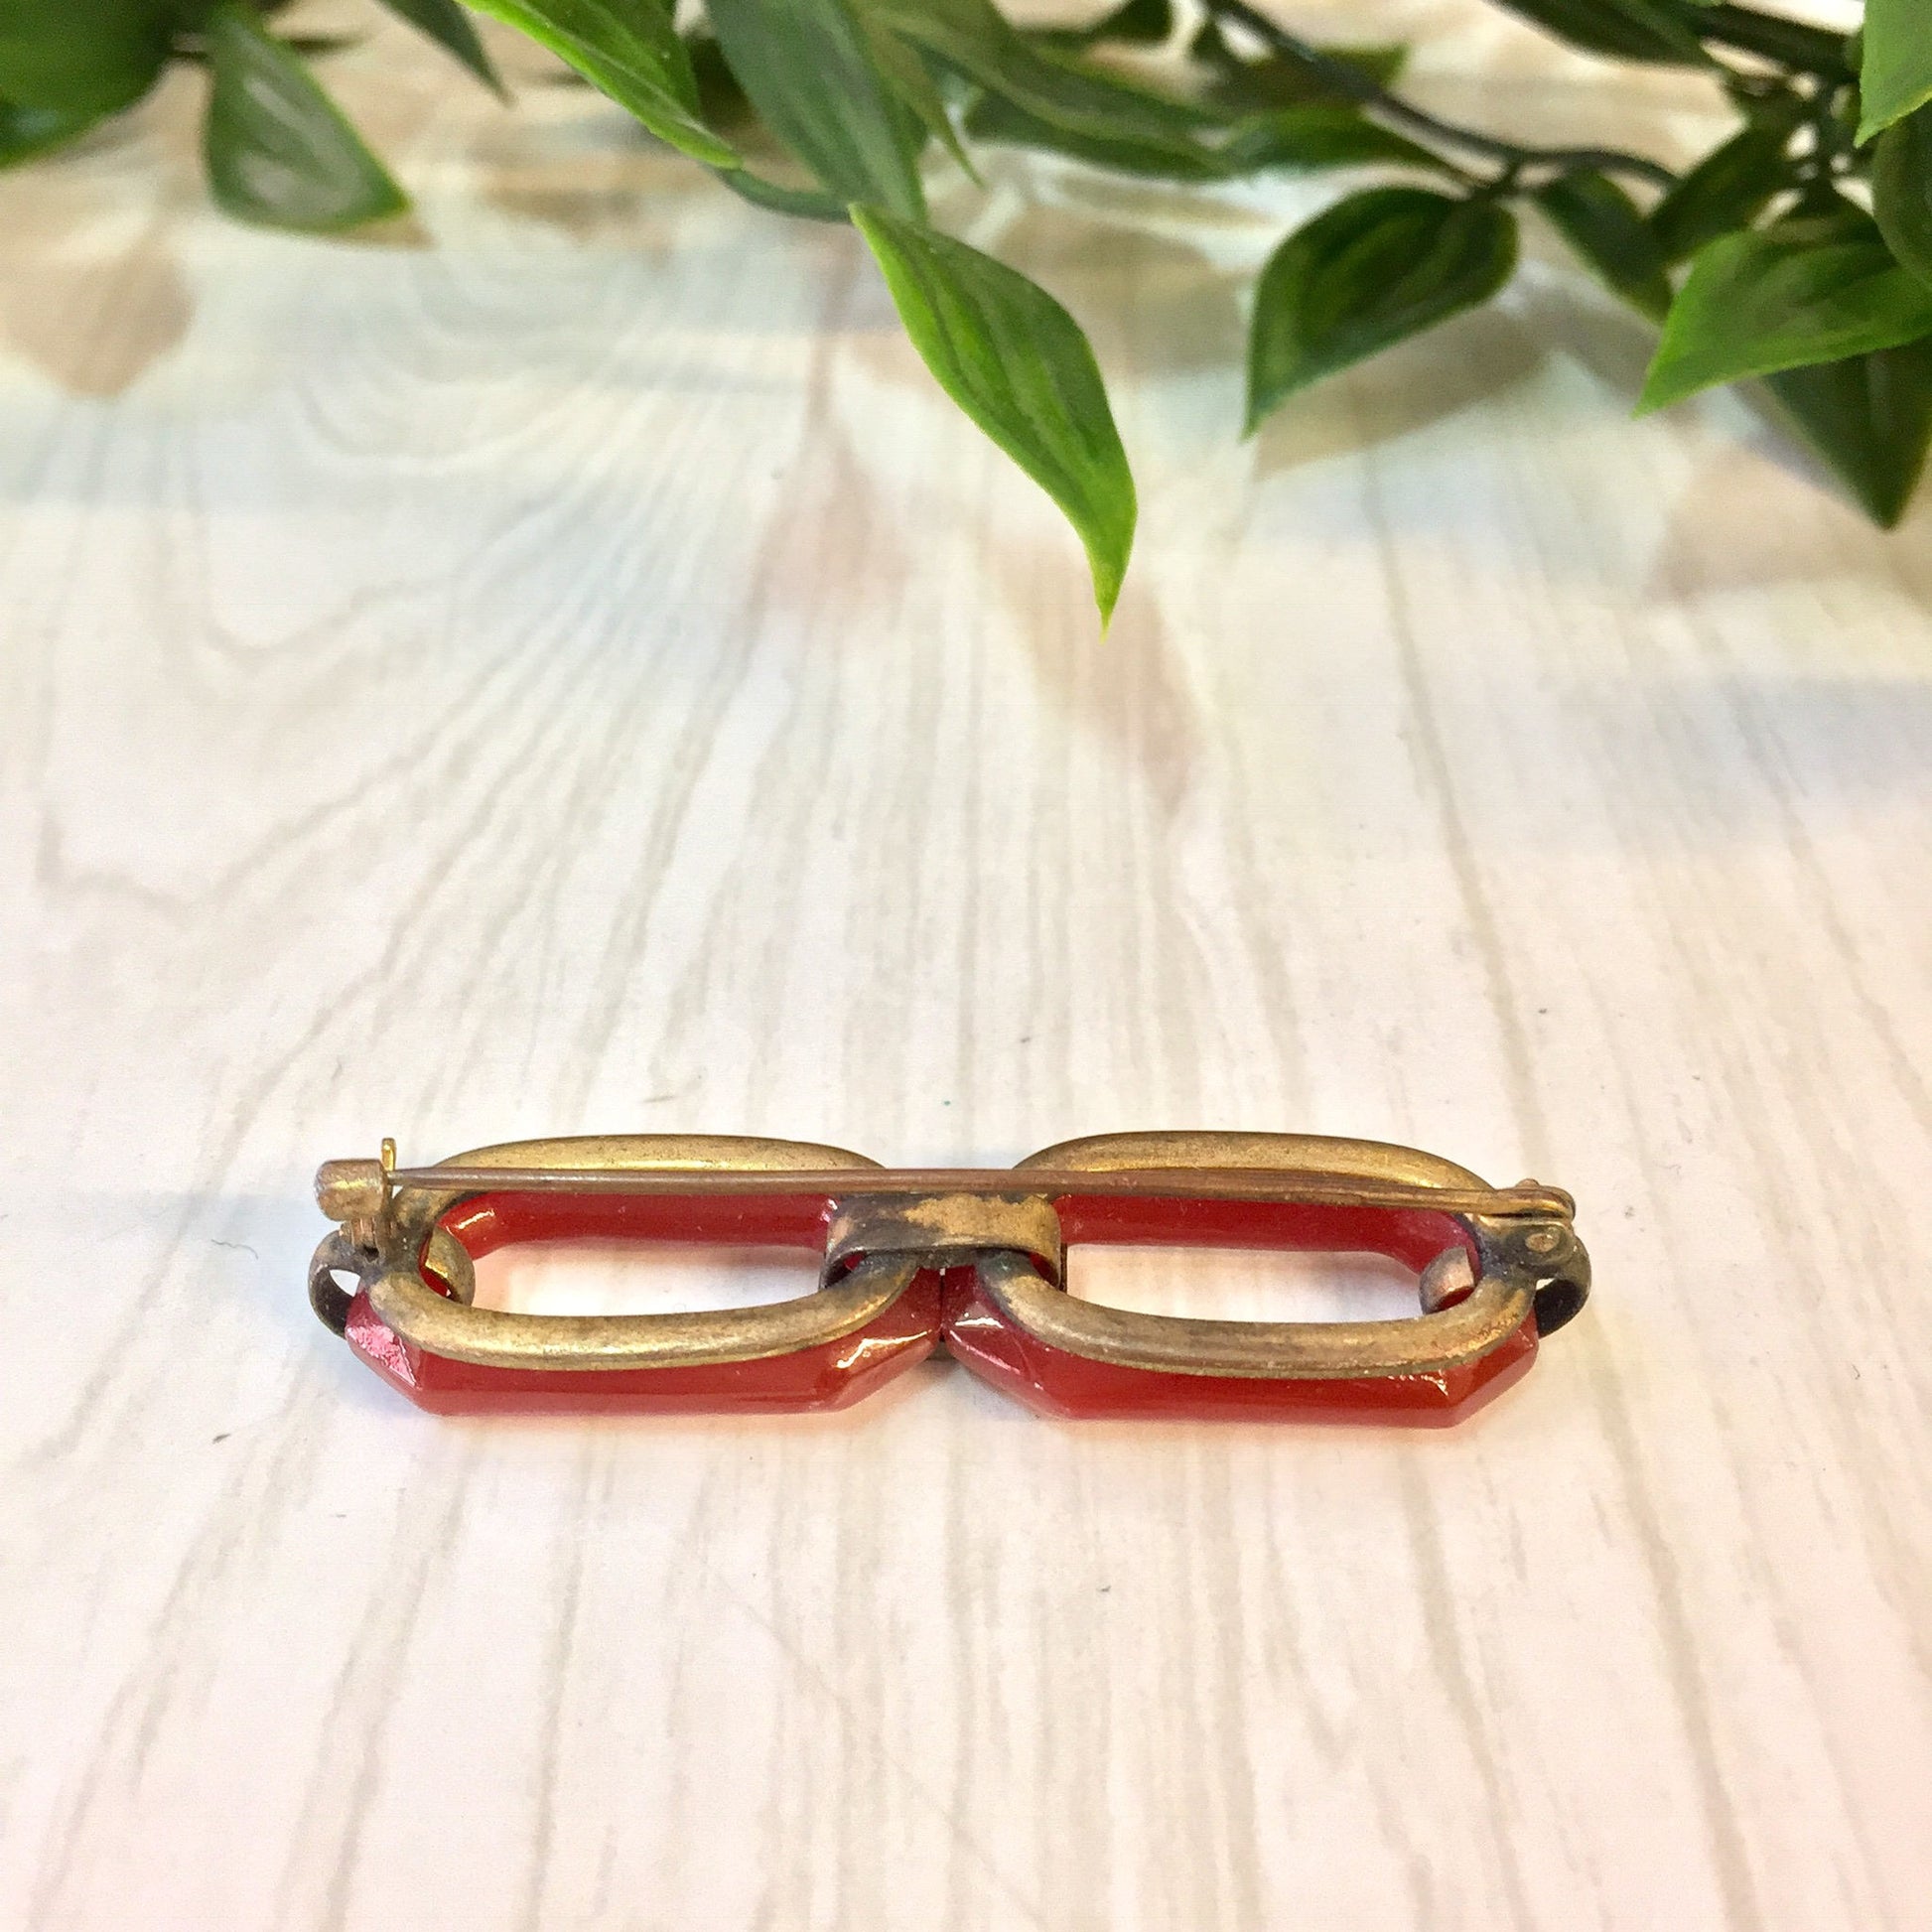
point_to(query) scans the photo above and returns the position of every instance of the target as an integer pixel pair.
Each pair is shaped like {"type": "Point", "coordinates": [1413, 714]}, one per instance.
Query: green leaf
{"type": "Point", "coordinates": [993, 118]}
{"type": "Point", "coordinates": [721, 102]}
{"type": "Point", "coordinates": [1603, 225]}
{"type": "Point", "coordinates": [1896, 76]}
{"type": "Point", "coordinates": [1382, 265]}
{"type": "Point", "coordinates": [1626, 30]}
{"type": "Point", "coordinates": [911, 80]}
{"type": "Point", "coordinates": [1318, 136]}
{"type": "Point", "coordinates": [811, 69]}
{"type": "Point", "coordinates": [1815, 289]}
{"type": "Point", "coordinates": [1299, 138]}
{"type": "Point", "coordinates": [1870, 418]}
{"type": "Point", "coordinates": [80, 56]}
{"type": "Point", "coordinates": [971, 38]}
{"type": "Point", "coordinates": [450, 27]}
{"type": "Point", "coordinates": [1018, 365]}
{"type": "Point", "coordinates": [29, 131]}
{"type": "Point", "coordinates": [1727, 189]}
{"type": "Point", "coordinates": [277, 147]}
{"type": "Point", "coordinates": [1901, 190]}
{"type": "Point", "coordinates": [629, 50]}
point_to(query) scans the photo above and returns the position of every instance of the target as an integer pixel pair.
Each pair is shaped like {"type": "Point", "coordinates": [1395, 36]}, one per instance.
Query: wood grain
{"type": "Point", "coordinates": [573, 672]}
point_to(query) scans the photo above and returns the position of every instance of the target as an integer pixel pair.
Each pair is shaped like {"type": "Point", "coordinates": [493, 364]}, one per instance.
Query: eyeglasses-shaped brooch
{"type": "Point", "coordinates": [971, 1260]}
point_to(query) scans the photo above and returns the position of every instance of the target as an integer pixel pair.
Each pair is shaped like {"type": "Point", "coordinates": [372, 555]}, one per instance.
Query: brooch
{"type": "Point", "coordinates": [967, 1260]}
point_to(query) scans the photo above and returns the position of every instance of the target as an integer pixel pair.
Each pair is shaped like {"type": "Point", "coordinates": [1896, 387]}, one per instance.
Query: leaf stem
{"type": "Point", "coordinates": [1365, 91]}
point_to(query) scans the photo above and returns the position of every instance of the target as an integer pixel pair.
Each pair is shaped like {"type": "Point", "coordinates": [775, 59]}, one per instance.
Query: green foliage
{"type": "Point", "coordinates": [1870, 418]}
{"type": "Point", "coordinates": [1727, 189]}
{"type": "Point", "coordinates": [81, 57]}
{"type": "Point", "coordinates": [1794, 45]}
{"type": "Point", "coordinates": [1294, 139]}
{"type": "Point", "coordinates": [993, 117]}
{"type": "Point", "coordinates": [1813, 289]}
{"type": "Point", "coordinates": [920, 94]}
{"type": "Point", "coordinates": [1276, 81]}
{"type": "Point", "coordinates": [808, 204]}
{"type": "Point", "coordinates": [1896, 76]}
{"type": "Point", "coordinates": [1605, 228]}
{"type": "Point", "coordinates": [1901, 190]}
{"type": "Point", "coordinates": [1384, 264]}
{"type": "Point", "coordinates": [629, 51]}
{"type": "Point", "coordinates": [1626, 30]}
{"type": "Point", "coordinates": [450, 27]}
{"type": "Point", "coordinates": [277, 149]}
{"type": "Point", "coordinates": [851, 104]}
{"type": "Point", "coordinates": [1018, 365]}
{"type": "Point", "coordinates": [1134, 23]}
{"type": "Point", "coordinates": [1320, 135]}
{"type": "Point", "coordinates": [27, 131]}
{"type": "Point", "coordinates": [811, 70]}
{"type": "Point", "coordinates": [1080, 102]}
{"type": "Point", "coordinates": [722, 103]}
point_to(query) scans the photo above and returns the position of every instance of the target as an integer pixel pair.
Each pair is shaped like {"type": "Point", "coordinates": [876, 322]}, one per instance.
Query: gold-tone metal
{"type": "Point", "coordinates": [1294, 1350]}
{"type": "Point", "coordinates": [1369, 1173]}
{"type": "Point", "coordinates": [1233, 1181]}
{"type": "Point", "coordinates": [350, 1190]}
{"type": "Point", "coordinates": [945, 1230]}
{"type": "Point", "coordinates": [497, 1338]}
{"type": "Point", "coordinates": [1364, 1163]}
{"type": "Point", "coordinates": [886, 1225]}
{"type": "Point", "coordinates": [390, 1259]}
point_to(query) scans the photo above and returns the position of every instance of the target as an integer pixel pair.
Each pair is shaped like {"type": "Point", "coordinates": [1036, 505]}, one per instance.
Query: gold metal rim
{"type": "Point", "coordinates": [399, 1229]}
{"type": "Point", "coordinates": [696, 1338]}
{"type": "Point", "coordinates": [1336, 1159]}
{"type": "Point", "coordinates": [1300, 1187]}
{"type": "Point", "coordinates": [1258, 1350]}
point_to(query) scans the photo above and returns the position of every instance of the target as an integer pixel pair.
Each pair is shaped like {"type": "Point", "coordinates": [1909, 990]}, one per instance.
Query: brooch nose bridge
{"type": "Point", "coordinates": [942, 1230]}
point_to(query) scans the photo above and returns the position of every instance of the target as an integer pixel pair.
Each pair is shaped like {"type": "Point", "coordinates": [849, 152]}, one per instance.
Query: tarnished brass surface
{"type": "Point", "coordinates": [1295, 1350]}
{"type": "Point", "coordinates": [886, 1225]}
{"type": "Point", "coordinates": [945, 1229]}
{"type": "Point", "coordinates": [1335, 1159]}
{"type": "Point", "coordinates": [1181, 1345]}
{"type": "Point", "coordinates": [1252, 1181]}
{"type": "Point", "coordinates": [1381, 1173]}
{"type": "Point", "coordinates": [693, 1339]}
{"type": "Point", "coordinates": [384, 1251]}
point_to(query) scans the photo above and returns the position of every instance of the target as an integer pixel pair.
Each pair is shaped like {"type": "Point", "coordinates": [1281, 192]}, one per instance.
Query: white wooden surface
{"type": "Point", "coordinates": [567, 670]}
